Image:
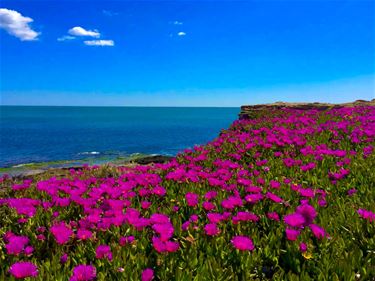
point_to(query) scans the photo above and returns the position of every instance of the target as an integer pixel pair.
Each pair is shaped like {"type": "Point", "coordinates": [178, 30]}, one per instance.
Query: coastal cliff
{"type": "Point", "coordinates": [251, 111]}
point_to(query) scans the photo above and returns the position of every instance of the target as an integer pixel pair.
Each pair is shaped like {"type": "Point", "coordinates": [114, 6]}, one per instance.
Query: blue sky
{"type": "Point", "coordinates": [186, 53]}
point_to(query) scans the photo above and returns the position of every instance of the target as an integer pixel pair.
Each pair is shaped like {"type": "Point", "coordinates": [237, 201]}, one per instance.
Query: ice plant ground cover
{"type": "Point", "coordinates": [289, 195]}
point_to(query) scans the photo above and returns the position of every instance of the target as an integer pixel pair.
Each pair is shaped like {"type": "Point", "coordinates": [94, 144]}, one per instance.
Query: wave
{"type": "Point", "coordinates": [89, 153]}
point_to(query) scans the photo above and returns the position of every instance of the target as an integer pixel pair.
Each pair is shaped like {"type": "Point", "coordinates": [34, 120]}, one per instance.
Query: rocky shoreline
{"type": "Point", "coordinates": [251, 111]}
{"type": "Point", "coordinates": [25, 171]}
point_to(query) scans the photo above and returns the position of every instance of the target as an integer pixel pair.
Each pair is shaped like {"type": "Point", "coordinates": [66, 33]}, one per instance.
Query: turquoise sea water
{"type": "Point", "coordinates": [40, 134]}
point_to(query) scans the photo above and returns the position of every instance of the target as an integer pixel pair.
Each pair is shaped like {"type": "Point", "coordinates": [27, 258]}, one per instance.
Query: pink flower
{"type": "Point", "coordinates": [244, 216]}
{"type": "Point", "coordinates": [159, 218]}
{"type": "Point", "coordinates": [253, 198]}
{"type": "Point", "coordinates": [275, 184]}
{"type": "Point", "coordinates": [306, 192]}
{"type": "Point", "coordinates": [194, 218]}
{"type": "Point", "coordinates": [308, 212]}
{"type": "Point", "coordinates": [159, 190]}
{"type": "Point", "coordinates": [84, 234]}
{"type": "Point", "coordinates": [185, 225]}
{"type": "Point", "coordinates": [208, 206]}
{"type": "Point", "coordinates": [211, 229]}
{"type": "Point", "coordinates": [61, 232]}
{"type": "Point", "coordinates": [103, 251]}
{"type": "Point", "coordinates": [318, 231]}
{"type": "Point", "coordinates": [165, 230]}
{"type": "Point", "coordinates": [16, 244]}
{"type": "Point", "coordinates": [274, 197]}
{"type": "Point", "coordinates": [292, 234]}
{"type": "Point", "coordinates": [273, 216]}
{"type": "Point", "coordinates": [83, 273]}
{"type": "Point", "coordinates": [41, 237]}
{"type": "Point", "coordinates": [126, 240]}
{"type": "Point", "coordinates": [214, 217]}
{"type": "Point", "coordinates": [210, 194]}
{"type": "Point", "coordinates": [64, 258]}
{"type": "Point", "coordinates": [147, 274]}
{"type": "Point", "coordinates": [145, 204]}
{"type": "Point", "coordinates": [302, 247]}
{"type": "Point", "coordinates": [23, 269]}
{"type": "Point", "coordinates": [294, 220]}
{"type": "Point", "coordinates": [41, 229]}
{"type": "Point", "coordinates": [159, 245]}
{"type": "Point", "coordinates": [322, 202]}
{"type": "Point", "coordinates": [243, 243]}
{"type": "Point", "coordinates": [28, 250]}
{"type": "Point", "coordinates": [232, 202]}
{"type": "Point", "coordinates": [192, 199]}
{"type": "Point", "coordinates": [365, 214]}
{"type": "Point", "coordinates": [172, 246]}
{"type": "Point", "coordinates": [352, 191]}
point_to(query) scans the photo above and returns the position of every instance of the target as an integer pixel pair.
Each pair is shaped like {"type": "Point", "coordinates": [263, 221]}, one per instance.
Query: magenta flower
{"type": "Point", "coordinates": [64, 258]}
{"type": "Point", "coordinates": [318, 231]}
{"type": "Point", "coordinates": [28, 250]}
{"type": "Point", "coordinates": [23, 269]}
{"type": "Point", "coordinates": [103, 251]}
{"type": "Point", "coordinates": [244, 216]}
{"type": "Point", "coordinates": [172, 246]}
{"type": "Point", "coordinates": [159, 218]}
{"type": "Point", "coordinates": [159, 190]}
{"type": "Point", "coordinates": [308, 212]}
{"type": "Point", "coordinates": [352, 191]}
{"type": "Point", "coordinates": [126, 240]}
{"type": "Point", "coordinates": [253, 198]}
{"type": "Point", "coordinates": [192, 199]}
{"type": "Point", "coordinates": [292, 234]}
{"type": "Point", "coordinates": [211, 229]}
{"type": "Point", "coordinates": [294, 220]}
{"type": "Point", "coordinates": [322, 202]}
{"type": "Point", "coordinates": [147, 274]}
{"type": "Point", "coordinates": [61, 232]}
{"type": "Point", "coordinates": [165, 230]}
{"type": "Point", "coordinates": [273, 216]}
{"type": "Point", "coordinates": [210, 194]}
{"type": "Point", "coordinates": [208, 206]}
{"type": "Point", "coordinates": [243, 243]}
{"type": "Point", "coordinates": [302, 247]}
{"type": "Point", "coordinates": [185, 225]}
{"type": "Point", "coordinates": [16, 244]}
{"type": "Point", "coordinates": [214, 217]}
{"type": "Point", "coordinates": [84, 234]}
{"type": "Point", "coordinates": [274, 197]}
{"type": "Point", "coordinates": [83, 273]}
{"type": "Point", "coordinates": [159, 245]}
{"type": "Point", "coordinates": [306, 192]}
{"type": "Point", "coordinates": [194, 218]}
{"type": "Point", "coordinates": [275, 184]}
{"type": "Point", "coordinates": [41, 237]}
{"type": "Point", "coordinates": [40, 229]}
{"type": "Point", "coordinates": [365, 214]}
{"type": "Point", "coordinates": [145, 204]}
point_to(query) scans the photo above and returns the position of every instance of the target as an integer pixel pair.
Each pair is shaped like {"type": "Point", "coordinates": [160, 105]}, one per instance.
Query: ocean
{"type": "Point", "coordinates": [32, 134]}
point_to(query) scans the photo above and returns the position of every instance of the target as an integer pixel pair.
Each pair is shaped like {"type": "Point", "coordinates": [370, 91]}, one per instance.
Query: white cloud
{"type": "Point", "coordinates": [181, 33]}
{"type": "Point", "coordinates": [80, 31]}
{"type": "Point", "coordinates": [17, 25]}
{"type": "Point", "coordinates": [102, 43]}
{"type": "Point", "coordinates": [178, 22]}
{"type": "Point", "coordinates": [65, 38]}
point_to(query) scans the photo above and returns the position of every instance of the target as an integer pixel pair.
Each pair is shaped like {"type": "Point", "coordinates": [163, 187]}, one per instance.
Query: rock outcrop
{"type": "Point", "coordinates": [250, 111]}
